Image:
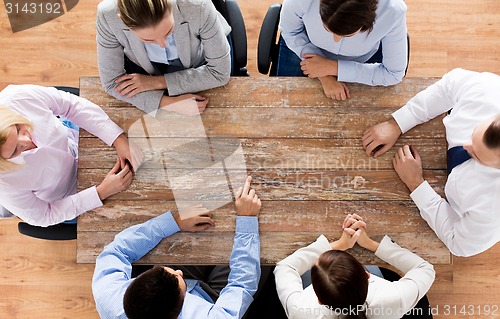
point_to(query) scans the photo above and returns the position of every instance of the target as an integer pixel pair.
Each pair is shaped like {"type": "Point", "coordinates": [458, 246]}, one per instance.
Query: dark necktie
{"type": "Point", "coordinates": [456, 156]}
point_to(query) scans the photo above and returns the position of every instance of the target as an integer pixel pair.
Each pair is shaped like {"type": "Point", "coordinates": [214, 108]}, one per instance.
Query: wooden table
{"type": "Point", "coordinates": [304, 152]}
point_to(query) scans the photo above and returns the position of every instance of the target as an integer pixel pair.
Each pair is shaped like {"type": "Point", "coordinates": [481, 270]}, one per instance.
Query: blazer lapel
{"type": "Point", "coordinates": [182, 37]}
{"type": "Point", "coordinates": [137, 47]}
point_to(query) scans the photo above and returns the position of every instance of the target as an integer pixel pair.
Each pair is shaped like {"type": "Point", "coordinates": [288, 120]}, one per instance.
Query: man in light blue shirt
{"type": "Point", "coordinates": [117, 295]}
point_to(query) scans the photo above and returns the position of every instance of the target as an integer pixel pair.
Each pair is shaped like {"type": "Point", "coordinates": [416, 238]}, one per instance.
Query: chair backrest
{"type": "Point", "coordinates": [268, 47]}
{"type": "Point", "coordinates": [230, 10]}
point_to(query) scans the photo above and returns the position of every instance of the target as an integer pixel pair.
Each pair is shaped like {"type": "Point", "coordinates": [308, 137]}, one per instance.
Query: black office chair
{"type": "Point", "coordinates": [56, 232]}
{"type": "Point", "coordinates": [232, 13]}
{"type": "Point", "coordinates": [268, 45]}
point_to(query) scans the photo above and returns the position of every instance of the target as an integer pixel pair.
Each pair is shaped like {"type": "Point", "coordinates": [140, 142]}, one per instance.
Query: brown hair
{"type": "Point", "coordinates": [155, 294]}
{"type": "Point", "coordinates": [340, 282]}
{"type": "Point", "coordinates": [344, 17]}
{"type": "Point", "coordinates": [143, 13]}
{"type": "Point", "coordinates": [492, 134]}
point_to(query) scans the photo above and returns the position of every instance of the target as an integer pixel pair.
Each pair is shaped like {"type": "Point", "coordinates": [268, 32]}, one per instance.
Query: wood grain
{"type": "Point", "coordinates": [212, 248]}
{"type": "Point", "coordinates": [345, 184]}
{"type": "Point", "coordinates": [319, 154]}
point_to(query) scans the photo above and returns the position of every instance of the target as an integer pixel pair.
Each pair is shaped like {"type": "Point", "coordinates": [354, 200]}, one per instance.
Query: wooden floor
{"type": "Point", "coordinates": [40, 279]}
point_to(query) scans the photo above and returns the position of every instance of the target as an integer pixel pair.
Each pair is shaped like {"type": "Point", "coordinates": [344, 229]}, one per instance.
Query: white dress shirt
{"type": "Point", "coordinates": [385, 299]}
{"type": "Point", "coordinates": [304, 32]}
{"type": "Point", "coordinates": [469, 222]}
{"type": "Point", "coordinates": [43, 191]}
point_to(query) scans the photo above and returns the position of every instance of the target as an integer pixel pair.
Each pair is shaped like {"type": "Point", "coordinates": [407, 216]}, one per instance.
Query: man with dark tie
{"type": "Point", "coordinates": [468, 220]}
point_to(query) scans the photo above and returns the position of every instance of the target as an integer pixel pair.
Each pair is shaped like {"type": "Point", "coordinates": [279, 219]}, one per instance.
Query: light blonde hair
{"type": "Point", "coordinates": [8, 118]}
{"type": "Point", "coordinates": [143, 13]}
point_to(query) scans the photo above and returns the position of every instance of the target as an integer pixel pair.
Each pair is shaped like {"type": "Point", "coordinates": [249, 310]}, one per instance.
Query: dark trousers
{"type": "Point", "coordinates": [289, 62]}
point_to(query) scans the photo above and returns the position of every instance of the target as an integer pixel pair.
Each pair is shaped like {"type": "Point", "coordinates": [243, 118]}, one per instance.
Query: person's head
{"type": "Point", "coordinates": [150, 20]}
{"type": "Point", "coordinates": [156, 293]}
{"type": "Point", "coordinates": [15, 137]}
{"type": "Point", "coordinates": [484, 146]}
{"type": "Point", "coordinates": [346, 18]}
{"type": "Point", "coordinates": [340, 282]}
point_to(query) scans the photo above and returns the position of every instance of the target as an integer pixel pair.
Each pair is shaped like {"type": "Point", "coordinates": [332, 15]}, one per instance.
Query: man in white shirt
{"type": "Point", "coordinates": [468, 222]}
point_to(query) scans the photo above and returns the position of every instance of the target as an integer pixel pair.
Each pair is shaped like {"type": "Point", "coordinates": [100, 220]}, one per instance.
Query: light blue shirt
{"type": "Point", "coordinates": [304, 32]}
{"type": "Point", "coordinates": [162, 55]}
{"type": "Point", "coordinates": [114, 267]}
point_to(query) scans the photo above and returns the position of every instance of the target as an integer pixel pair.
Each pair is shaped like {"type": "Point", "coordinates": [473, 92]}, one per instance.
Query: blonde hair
{"type": "Point", "coordinates": [9, 118]}
{"type": "Point", "coordinates": [143, 13]}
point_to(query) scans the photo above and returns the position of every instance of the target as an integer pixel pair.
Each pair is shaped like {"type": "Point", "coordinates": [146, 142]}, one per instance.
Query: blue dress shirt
{"type": "Point", "coordinates": [304, 32]}
{"type": "Point", "coordinates": [114, 267]}
{"type": "Point", "coordinates": [163, 55]}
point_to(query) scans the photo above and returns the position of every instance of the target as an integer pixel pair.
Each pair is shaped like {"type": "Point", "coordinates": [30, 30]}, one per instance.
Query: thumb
{"type": "Point", "coordinates": [356, 235]}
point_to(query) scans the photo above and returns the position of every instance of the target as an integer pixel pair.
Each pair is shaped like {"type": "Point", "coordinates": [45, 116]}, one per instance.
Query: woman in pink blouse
{"type": "Point", "coordinates": [39, 155]}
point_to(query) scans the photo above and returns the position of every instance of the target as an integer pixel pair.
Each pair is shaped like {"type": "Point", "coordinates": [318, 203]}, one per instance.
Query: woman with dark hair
{"type": "Point", "coordinates": [152, 52]}
{"type": "Point", "coordinates": [336, 41]}
{"type": "Point", "coordinates": [340, 287]}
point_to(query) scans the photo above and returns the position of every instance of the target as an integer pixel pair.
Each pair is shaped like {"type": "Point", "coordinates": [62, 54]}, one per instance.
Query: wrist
{"type": "Point", "coordinates": [101, 192]}
{"type": "Point", "coordinates": [412, 185]}
{"type": "Point", "coordinates": [120, 139]}
{"type": "Point", "coordinates": [334, 67]}
{"type": "Point", "coordinates": [336, 245]}
{"type": "Point", "coordinates": [372, 245]}
{"type": "Point", "coordinates": [161, 83]}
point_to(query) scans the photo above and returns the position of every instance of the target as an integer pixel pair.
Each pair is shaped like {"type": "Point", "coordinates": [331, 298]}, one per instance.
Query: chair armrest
{"type": "Point", "coordinates": [267, 38]}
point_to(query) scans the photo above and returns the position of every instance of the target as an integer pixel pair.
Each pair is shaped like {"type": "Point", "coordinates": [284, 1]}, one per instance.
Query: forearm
{"type": "Point", "coordinates": [441, 217]}
{"type": "Point", "coordinates": [89, 116]}
{"type": "Point", "coordinates": [202, 78]}
{"type": "Point", "coordinates": [37, 212]}
{"type": "Point", "coordinates": [244, 276]}
{"type": "Point", "coordinates": [418, 274]}
{"type": "Point", "coordinates": [136, 241]}
{"type": "Point", "coordinates": [435, 100]}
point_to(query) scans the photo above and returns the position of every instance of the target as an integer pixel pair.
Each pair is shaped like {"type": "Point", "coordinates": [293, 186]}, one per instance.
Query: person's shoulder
{"type": "Point", "coordinates": [302, 6]}
{"type": "Point", "coordinates": [20, 90]}
{"type": "Point", "coordinates": [393, 8]}
{"type": "Point", "coordinates": [106, 7]}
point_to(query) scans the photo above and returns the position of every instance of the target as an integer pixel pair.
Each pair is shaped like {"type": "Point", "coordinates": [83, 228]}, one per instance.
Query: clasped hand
{"type": "Point", "coordinates": [354, 231]}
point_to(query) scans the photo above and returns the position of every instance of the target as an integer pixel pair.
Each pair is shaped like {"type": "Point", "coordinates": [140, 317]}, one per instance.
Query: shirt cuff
{"type": "Point", "coordinates": [167, 224]}
{"type": "Point", "coordinates": [89, 199]}
{"type": "Point", "coordinates": [323, 243]}
{"type": "Point", "coordinates": [114, 131]}
{"type": "Point", "coordinates": [423, 195]}
{"type": "Point", "coordinates": [405, 119]}
{"type": "Point", "coordinates": [384, 249]}
{"type": "Point", "coordinates": [346, 71]}
{"type": "Point", "coordinates": [247, 224]}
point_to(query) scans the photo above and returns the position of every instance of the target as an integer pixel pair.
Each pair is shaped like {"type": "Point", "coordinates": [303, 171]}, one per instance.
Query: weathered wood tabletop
{"type": "Point", "coordinates": [304, 152]}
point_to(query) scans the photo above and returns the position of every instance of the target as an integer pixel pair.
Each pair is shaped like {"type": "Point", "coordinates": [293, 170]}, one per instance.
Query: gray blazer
{"type": "Point", "coordinates": [197, 23]}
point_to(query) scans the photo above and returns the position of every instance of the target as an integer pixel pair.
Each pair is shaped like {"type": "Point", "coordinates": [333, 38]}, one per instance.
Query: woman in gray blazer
{"type": "Point", "coordinates": [151, 50]}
